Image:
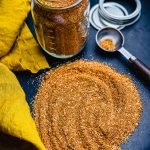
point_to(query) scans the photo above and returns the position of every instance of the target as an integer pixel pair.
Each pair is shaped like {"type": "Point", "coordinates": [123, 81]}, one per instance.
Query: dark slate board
{"type": "Point", "coordinates": [137, 41]}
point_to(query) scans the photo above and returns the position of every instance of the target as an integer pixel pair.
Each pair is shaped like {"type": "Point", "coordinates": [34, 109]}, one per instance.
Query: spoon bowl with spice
{"type": "Point", "coordinates": [112, 40]}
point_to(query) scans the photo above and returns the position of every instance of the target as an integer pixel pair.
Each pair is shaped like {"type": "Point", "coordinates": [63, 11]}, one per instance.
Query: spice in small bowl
{"type": "Point", "coordinates": [107, 44]}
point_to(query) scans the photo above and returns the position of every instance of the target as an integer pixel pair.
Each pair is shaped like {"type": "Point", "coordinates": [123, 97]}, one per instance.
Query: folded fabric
{"type": "Point", "coordinates": [25, 54]}
{"type": "Point", "coordinates": [12, 16]}
{"type": "Point", "coordinates": [15, 118]}
{"type": "Point", "coordinates": [16, 40]}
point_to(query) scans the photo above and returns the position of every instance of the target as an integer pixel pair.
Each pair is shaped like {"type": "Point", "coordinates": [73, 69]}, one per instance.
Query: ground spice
{"type": "Point", "coordinates": [86, 105]}
{"type": "Point", "coordinates": [57, 3]}
{"type": "Point", "coordinates": [61, 31]}
{"type": "Point", "coordinates": [107, 44]}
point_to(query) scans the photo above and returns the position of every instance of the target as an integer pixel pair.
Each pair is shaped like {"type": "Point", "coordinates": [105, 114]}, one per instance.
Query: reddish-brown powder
{"type": "Point", "coordinates": [86, 105]}
{"type": "Point", "coordinates": [107, 44]}
{"type": "Point", "coordinates": [61, 31]}
{"type": "Point", "coordinates": [58, 3]}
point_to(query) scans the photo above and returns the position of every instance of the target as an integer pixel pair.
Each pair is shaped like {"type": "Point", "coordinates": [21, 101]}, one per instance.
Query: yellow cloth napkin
{"type": "Point", "coordinates": [15, 118]}
{"type": "Point", "coordinates": [25, 54]}
{"type": "Point", "coordinates": [18, 49]}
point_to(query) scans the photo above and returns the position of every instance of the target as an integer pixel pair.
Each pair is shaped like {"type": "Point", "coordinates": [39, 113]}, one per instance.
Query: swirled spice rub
{"type": "Point", "coordinates": [86, 105]}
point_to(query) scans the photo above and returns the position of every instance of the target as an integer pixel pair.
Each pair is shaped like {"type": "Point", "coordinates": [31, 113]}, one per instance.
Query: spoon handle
{"type": "Point", "coordinates": [140, 68]}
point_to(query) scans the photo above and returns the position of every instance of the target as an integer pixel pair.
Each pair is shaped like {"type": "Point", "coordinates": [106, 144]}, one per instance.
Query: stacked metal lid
{"type": "Point", "coordinates": [113, 14]}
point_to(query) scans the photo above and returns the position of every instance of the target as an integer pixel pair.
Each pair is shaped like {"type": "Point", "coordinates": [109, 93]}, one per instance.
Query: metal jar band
{"type": "Point", "coordinates": [120, 20]}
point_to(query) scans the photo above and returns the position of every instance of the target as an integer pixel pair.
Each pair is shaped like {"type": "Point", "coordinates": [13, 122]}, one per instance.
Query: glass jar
{"type": "Point", "coordinates": [61, 26]}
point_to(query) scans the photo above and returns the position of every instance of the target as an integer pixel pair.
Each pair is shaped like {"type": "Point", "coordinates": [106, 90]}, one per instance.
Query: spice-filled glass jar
{"type": "Point", "coordinates": [61, 26]}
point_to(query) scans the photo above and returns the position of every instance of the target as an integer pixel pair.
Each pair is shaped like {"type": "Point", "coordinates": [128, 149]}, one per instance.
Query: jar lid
{"type": "Point", "coordinates": [120, 20]}
{"type": "Point", "coordinates": [99, 22]}
{"type": "Point", "coordinates": [113, 14]}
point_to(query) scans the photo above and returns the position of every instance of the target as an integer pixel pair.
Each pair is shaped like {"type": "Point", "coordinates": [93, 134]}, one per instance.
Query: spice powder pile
{"type": "Point", "coordinates": [107, 44]}
{"type": "Point", "coordinates": [86, 105]}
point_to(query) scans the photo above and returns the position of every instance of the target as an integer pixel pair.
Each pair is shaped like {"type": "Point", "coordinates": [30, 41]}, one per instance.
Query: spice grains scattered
{"type": "Point", "coordinates": [86, 105]}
